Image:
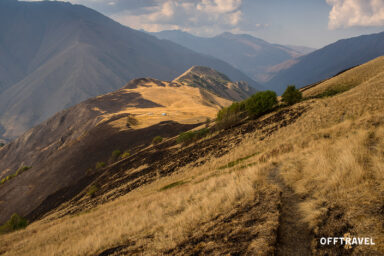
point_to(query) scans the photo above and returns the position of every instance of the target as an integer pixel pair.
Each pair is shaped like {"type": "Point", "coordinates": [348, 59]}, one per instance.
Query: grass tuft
{"type": "Point", "coordinates": [236, 162]}
{"type": "Point", "coordinates": [172, 185]}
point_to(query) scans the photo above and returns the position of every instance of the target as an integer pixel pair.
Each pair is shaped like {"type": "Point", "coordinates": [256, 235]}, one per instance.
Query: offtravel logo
{"type": "Point", "coordinates": [347, 240]}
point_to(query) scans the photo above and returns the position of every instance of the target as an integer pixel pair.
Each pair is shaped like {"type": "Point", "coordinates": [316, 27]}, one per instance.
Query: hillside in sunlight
{"type": "Point", "coordinates": [271, 185]}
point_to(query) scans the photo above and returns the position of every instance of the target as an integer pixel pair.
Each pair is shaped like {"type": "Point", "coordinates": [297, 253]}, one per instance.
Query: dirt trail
{"type": "Point", "coordinates": [294, 237]}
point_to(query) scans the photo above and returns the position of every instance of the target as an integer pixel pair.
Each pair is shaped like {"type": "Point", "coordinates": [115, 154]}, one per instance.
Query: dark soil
{"type": "Point", "coordinates": [238, 232]}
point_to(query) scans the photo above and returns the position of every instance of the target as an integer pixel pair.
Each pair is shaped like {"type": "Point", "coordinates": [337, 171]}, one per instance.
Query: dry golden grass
{"type": "Point", "coordinates": [333, 154]}
{"type": "Point", "coordinates": [342, 172]}
{"type": "Point", "coordinates": [180, 104]}
{"type": "Point", "coordinates": [364, 73]}
{"type": "Point", "coordinates": [155, 220]}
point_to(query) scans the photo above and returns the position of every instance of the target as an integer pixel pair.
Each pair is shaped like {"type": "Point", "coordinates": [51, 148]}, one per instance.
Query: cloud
{"type": "Point", "coordinates": [350, 13]}
{"type": "Point", "coordinates": [198, 16]}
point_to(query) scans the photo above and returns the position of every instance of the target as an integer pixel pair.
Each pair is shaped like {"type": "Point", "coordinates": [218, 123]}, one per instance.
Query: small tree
{"type": "Point", "coordinates": [261, 103]}
{"type": "Point", "coordinates": [230, 116]}
{"type": "Point", "coordinates": [291, 95]}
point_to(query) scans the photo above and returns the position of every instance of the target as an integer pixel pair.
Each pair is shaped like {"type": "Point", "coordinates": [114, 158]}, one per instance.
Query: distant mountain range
{"type": "Point", "coordinates": [254, 56]}
{"type": "Point", "coordinates": [55, 54]}
{"type": "Point", "coordinates": [276, 66]}
{"type": "Point", "coordinates": [328, 61]}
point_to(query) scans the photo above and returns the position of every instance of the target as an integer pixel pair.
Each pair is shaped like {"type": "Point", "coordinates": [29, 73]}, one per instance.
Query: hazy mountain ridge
{"type": "Point", "coordinates": [253, 56]}
{"type": "Point", "coordinates": [328, 61]}
{"type": "Point", "coordinates": [56, 54]}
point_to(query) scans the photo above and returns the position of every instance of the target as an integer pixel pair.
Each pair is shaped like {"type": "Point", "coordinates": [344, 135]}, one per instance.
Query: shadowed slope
{"type": "Point", "coordinates": [329, 61]}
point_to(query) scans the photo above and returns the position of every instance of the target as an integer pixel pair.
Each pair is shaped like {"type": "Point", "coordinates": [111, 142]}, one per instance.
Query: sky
{"type": "Point", "coordinates": [312, 23]}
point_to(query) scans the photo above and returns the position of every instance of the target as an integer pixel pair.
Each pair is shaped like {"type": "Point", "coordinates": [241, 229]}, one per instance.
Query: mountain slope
{"type": "Point", "coordinates": [299, 173]}
{"type": "Point", "coordinates": [253, 56]}
{"type": "Point", "coordinates": [329, 61]}
{"type": "Point", "coordinates": [125, 120]}
{"type": "Point", "coordinates": [55, 54]}
{"type": "Point", "coordinates": [220, 84]}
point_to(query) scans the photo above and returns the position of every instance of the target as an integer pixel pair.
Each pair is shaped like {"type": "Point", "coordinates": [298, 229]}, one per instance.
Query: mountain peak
{"type": "Point", "coordinates": [203, 71]}
{"type": "Point", "coordinates": [214, 81]}
{"type": "Point", "coordinates": [230, 35]}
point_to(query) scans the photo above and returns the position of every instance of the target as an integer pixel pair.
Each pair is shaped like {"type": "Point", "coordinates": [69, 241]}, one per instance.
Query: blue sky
{"type": "Point", "coordinates": [313, 23]}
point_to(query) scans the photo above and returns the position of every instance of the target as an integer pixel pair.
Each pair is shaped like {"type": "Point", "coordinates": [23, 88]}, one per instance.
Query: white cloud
{"type": "Point", "coordinates": [350, 13]}
{"type": "Point", "coordinates": [199, 16]}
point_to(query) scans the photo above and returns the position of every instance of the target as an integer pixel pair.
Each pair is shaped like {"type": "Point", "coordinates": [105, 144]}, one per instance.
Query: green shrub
{"type": "Point", "coordinates": [174, 184]}
{"type": "Point", "coordinates": [234, 110]}
{"type": "Point", "coordinates": [115, 154]}
{"type": "Point", "coordinates": [92, 190]}
{"type": "Point", "coordinates": [291, 95]}
{"type": "Point", "coordinates": [188, 137]}
{"type": "Point", "coordinates": [157, 140]}
{"type": "Point", "coordinates": [2, 144]}
{"type": "Point", "coordinates": [330, 92]}
{"type": "Point", "coordinates": [22, 169]}
{"type": "Point", "coordinates": [255, 106]}
{"type": "Point", "coordinates": [14, 223]}
{"type": "Point", "coordinates": [229, 116]}
{"type": "Point", "coordinates": [125, 154]}
{"type": "Point", "coordinates": [100, 165]}
{"type": "Point", "coordinates": [236, 162]}
{"type": "Point", "coordinates": [17, 173]}
{"type": "Point", "coordinates": [261, 103]}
